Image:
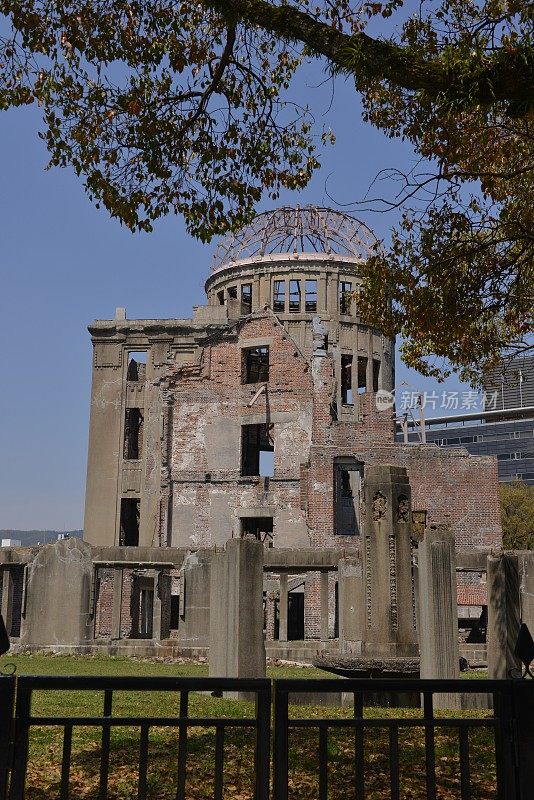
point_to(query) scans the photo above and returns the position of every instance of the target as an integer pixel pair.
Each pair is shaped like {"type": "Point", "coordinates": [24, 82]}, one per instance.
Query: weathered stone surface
{"type": "Point", "coordinates": [237, 647]}
{"type": "Point", "coordinates": [504, 614]}
{"type": "Point", "coordinates": [438, 626]}
{"type": "Point", "coordinates": [389, 612]}
{"type": "Point", "coordinates": [438, 615]}
{"type": "Point", "coordinates": [58, 595]}
{"type": "Point", "coordinates": [367, 667]}
{"type": "Point", "coordinates": [195, 577]}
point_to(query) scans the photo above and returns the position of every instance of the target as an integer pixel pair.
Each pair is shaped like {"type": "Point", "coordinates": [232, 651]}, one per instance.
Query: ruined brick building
{"type": "Point", "coordinates": [258, 416]}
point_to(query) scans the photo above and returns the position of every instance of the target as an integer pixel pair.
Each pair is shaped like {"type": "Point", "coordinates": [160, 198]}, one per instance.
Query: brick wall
{"type": "Point", "coordinates": [212, 393]}
{"type": "Point", "coordinates": [451, 486]}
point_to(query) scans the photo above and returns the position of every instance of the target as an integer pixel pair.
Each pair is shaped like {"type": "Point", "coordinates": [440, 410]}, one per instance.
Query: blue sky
{"type": "Point", "coordinates": [63, 263]}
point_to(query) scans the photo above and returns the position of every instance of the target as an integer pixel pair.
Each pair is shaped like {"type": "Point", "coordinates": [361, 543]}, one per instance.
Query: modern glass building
{"type": "Point", "coordinates": [505, 428]}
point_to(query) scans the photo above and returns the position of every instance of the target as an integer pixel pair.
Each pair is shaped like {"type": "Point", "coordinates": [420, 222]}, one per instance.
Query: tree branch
{"type": "Point", "coordinates": [507, 76]}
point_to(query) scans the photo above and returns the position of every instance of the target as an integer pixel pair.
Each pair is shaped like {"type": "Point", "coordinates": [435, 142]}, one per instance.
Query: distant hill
{"type": "Point", "coordinates": [28, 538]}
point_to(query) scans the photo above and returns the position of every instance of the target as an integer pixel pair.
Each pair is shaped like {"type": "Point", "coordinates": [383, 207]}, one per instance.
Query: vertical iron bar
{"type": "Point", "coordinates": [143, 762]}
{"type": "Point", "coordinates": [182, 745]}
{"type": "Point", "coordinates": [219, 760]}
{"type": "Point", "coordinates": [523, 735]}
{"type": "Point", "coordinates": [323, 761]}
{"type": "Point", "coordinates": [465, 775]}
{"type": "Point", "coordinates": [359, 777]}
{"type": "Point", "coordinates": [505, 744]}
{"type": "Point", "coordinates": [104, 753]}
{"type": "Point", "coordinates": [394, 761]}
{"type": "Point", "coordinates": [430, 753]}
{"type": "Point", "coordinates": [20, 743]}
{"type": "Point", "coordinates": [7, 698]}
{"type": "Point", "coordinates": [65, 761]}
{"type": "Point", "coordinates": [281, 742]}
{"type": "Point", "coordinates": [263, 742]}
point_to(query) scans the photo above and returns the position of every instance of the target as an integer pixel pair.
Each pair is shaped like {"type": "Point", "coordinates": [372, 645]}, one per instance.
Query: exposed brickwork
{"type": "Point", "coordinates": [309, 432]}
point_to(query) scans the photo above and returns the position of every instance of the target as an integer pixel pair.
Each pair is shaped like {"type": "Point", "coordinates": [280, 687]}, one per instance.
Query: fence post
{"type": "Point", "coordinates": [263, 742]}
{"type": "Point", "coordinates": [523, 693]}
{"type": "Point", "coordinates": [7, 698]}
{"type": "Point", "coordinates": [281, 743]}
{"type": "Point", "coordinates": [505, 744]}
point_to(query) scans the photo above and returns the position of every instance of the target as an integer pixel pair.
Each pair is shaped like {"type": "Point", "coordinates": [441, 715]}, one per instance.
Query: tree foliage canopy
{"type": "Point", "coordinates": [186, 107]}
{"type": "Point", "coordinates": [517, 513]}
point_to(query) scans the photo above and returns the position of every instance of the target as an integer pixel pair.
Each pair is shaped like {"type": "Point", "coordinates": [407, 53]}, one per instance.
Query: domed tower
{"type": "Point", "coordinates": [304, 263]}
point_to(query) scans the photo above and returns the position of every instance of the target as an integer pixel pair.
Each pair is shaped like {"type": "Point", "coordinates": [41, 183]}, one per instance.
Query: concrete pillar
{"type": "Point", "coordinates": [237, 647]}
{"type": "Point", "coordinates": [369, 373]}
{"type": "Point", "coordinates": [438, 641]}
{"type": "Point", "coordinates": [332, 289]}
{"type": "Point", "coordinates": [321, 293]}
{"type": "Point", "coordinates": [324, 606]}
{"type": "Point", "coordinates": [105, 446]}
{"type": "Point", "coordinates": [7, 598]}
{"type": "Point", "coordinates": [438, 626]}
{"type": "Point", "coordinates": [526, 573]}
{"type": "Point", "coordinates": [387, 558]}
{"type": "Point", "coordinates": [504, 616]}
{"type": "Point", "coordinates": [156, 609]}
{"type": "Point", "coordinates": [194, 624]}
{"type": "Point", "coordinates": [256, 293]}
{"type": "Point", "coordinates": [58, 591]}
{"type": "Point", "coordinates": [264, 290]}
{"type": "Point", "coordinates": [282, 608]}
{"type": "Point", "coordinates": [117, 604]}
{"type": "Point", "coordinates": [351, 598]}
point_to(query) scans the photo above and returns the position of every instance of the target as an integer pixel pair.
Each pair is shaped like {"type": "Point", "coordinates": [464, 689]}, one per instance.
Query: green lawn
{"type": "Point", "coordinates": [46, 742]}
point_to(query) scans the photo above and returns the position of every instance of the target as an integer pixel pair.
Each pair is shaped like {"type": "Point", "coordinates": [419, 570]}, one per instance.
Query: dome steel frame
{"type": "Point", "coordinates": [287, 230]}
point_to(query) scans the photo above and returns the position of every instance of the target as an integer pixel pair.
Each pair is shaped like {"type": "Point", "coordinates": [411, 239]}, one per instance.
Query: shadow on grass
{"type": "Point", "coordinates": [43, 777]}
{"type": "Point", "coordinates": [45, 764]}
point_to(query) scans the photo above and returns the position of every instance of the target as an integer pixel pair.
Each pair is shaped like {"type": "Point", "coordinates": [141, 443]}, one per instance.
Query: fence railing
{"type": "Point", "coordinates": [509, 728]}
{"type": "Point", "coordinates": [500, 723]}
{"type": "Point", "coordinates": [24, 721]}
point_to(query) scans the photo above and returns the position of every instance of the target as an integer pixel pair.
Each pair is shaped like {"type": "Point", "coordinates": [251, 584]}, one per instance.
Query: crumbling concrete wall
{"type": "Point", "coordinates": [452, 487]}
{"type": "Point", "coordinates": [210, 496]}
{"type": "Point", "coordinates": [58, 596]}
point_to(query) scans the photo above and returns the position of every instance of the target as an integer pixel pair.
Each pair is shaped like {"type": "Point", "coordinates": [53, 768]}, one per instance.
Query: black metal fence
{"type": "Point", "coordinates": [506, 696]}
{"type": "Point", "coordinates": [509, 728]}
{"type": "Point", "coordinates": [15, 731]}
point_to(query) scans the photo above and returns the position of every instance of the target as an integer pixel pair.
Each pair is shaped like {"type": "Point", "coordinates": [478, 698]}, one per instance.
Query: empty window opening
{"type": "Point", "coordinates": [146, 613]}
{"type": "Point", "coordinates": [345, 290]}
{"type": "Point", "coordinates": [260, 528]}
{"type": "Point", "coordinates": [279, 296]}
{"type": "Point", "coordinates": [133, 434]}
{"type": "Point", "coordinates": [129, 533]}
{"type": "Point", "coordinates": [246, 298]}
{"type": "Point", "coordinates": [294, 297]}
{"type": "Point", "coordinates": [136, 366]}
{"type": "Point", "coordinates": [295, 615]}
{"type": "Point", "coordinates": [232, 292]}
{"type": "Point", "coordinates": [347, 490]}
{"type": "Point", "coordinates": [376, 374]}
{"type": "Point", "coordinates": [256, 365]}
{"type": "Point", "coordinates": [175, 612]}
{"type": "Point", "coordinates": [257, 450]}
{"type": "Point", "coordinates": [220, 297]}
{"type": "Point", "coordinates": [362, 374]}
{"type": "Point", "coordinates": [336, 610]}
{"type": "Point", "coordinates": [310, 302]}
{"type": "Point", "coordinates": [346, 380]}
